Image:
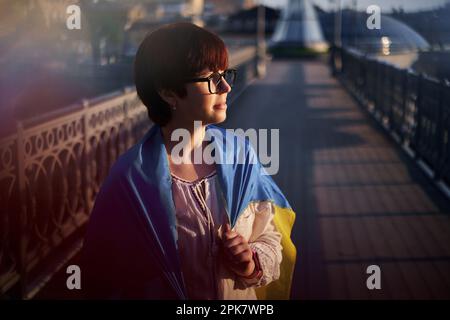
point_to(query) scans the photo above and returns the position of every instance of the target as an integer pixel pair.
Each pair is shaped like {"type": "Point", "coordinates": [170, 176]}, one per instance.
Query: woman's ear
{"type": "Point", "coordinates": [168, 96]}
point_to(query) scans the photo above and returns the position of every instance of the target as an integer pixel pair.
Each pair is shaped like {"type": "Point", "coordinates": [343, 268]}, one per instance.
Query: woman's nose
{"type": "Point", "coordinates": [224, 86]}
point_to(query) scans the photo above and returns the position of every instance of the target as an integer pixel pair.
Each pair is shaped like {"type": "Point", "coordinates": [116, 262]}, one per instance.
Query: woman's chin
{"type": "Point", "coordinates": [219, 116]}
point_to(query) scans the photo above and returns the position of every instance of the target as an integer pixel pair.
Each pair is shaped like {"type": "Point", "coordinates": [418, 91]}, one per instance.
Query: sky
{"type": "Point", "coordinates": [385, 5]}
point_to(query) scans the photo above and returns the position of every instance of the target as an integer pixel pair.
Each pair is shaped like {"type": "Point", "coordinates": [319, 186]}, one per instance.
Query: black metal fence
{"type": "Point", "coordinates": [413, 107]}
{"type": "Point", "coordinates": [50, 173]}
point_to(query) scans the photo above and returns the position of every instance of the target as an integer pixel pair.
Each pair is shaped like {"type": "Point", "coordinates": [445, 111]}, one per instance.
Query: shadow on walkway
{"type": "Point", "coordinates": [359, 200]}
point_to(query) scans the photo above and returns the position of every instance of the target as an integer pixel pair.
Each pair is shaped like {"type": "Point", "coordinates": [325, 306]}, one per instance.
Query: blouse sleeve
{"type": "Point", "coordinates": [265, 240]}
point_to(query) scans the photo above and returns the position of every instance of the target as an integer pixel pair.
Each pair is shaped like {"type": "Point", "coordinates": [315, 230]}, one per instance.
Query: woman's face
{"type": "Point", "coordinates": [201, 105]}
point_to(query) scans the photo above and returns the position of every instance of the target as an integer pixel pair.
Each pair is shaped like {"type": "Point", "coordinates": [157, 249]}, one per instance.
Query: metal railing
{"type": "Point", "coordinates": [50, 172]}
{"type": "Point", "coordinates": [413, 107]}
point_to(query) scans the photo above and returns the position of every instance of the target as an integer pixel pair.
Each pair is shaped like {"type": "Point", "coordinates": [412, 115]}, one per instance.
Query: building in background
{"type": "Point", "coordinates": [216, 12]}
{"type": "Point", "coordinates": [227, 7]}
{"type": "Point", "coordinates": [434, 26]}
{"type": "Point", "coordinates": [245, 21]}
{"type": "Point", "coordinates": [395, 42]}
{"type": "Point", "coordinates": [298, 32]}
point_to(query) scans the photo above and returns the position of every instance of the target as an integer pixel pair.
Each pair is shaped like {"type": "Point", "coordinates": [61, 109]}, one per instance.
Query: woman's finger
{"type": "Point", "coordinates": [245, 256]}
{"type": "Point", "coordinates": [234, 241]}
{"type": "Point", "coordinates": [230, 235]}
{"type": "Point", "coordinates": [227, 233]}
{"type": "Point", "coordinates": [235, 250]}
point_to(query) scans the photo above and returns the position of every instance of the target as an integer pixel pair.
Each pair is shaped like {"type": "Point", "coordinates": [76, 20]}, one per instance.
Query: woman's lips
{"type": "Point", "coordinates": [220, 106]}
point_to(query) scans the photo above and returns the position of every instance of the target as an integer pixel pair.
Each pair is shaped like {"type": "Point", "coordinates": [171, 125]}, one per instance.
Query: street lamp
{"type": "Point", "coordinates": [335, 61]}
{"type": "Point", "coordinates": [338, 25]}
{"type": "Point", "coordinates": [261, 41]}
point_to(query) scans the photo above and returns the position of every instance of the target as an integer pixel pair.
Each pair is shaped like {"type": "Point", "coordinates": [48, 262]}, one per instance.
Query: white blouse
{"type": "Point", "coordinates": [200, 215]}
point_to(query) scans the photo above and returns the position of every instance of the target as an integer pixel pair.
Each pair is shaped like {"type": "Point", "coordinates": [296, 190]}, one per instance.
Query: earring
{"type": "Point", "coordinates": [174, 108]}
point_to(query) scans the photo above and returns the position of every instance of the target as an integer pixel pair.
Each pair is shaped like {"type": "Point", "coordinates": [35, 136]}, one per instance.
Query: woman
{"type": "Point", "coordinates": [167, 226]}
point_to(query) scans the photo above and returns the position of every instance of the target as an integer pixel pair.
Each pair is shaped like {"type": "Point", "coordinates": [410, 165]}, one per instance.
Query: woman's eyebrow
{"type": "Point", "coordinates": [204, 73]}
{"type": "Point", "coordinates": [208, 73]}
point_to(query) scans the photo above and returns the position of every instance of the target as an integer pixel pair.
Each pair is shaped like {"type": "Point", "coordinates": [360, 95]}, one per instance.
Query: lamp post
{"type": "Point", "coordinates": [335, 54]}
{"type": "Point", "coordinates": [338, 25]}
{"type": "Point", "coordinates": [261, 41]}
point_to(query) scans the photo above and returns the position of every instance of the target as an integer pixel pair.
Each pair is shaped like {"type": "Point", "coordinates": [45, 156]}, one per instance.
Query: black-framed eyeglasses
{"type": "Point", "coordinates": [215, 79]}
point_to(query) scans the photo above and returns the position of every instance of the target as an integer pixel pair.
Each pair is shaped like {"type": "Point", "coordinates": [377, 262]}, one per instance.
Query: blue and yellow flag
{"type": "Point", "coordinates": [141, 179]}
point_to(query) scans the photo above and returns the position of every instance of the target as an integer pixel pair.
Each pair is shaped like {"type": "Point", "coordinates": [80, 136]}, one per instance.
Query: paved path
{"type": "Point", "coordinates": [359, 199]}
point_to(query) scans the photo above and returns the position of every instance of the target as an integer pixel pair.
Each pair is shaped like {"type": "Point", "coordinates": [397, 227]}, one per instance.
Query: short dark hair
{"type": "Point", "coordinates": [170, 55]}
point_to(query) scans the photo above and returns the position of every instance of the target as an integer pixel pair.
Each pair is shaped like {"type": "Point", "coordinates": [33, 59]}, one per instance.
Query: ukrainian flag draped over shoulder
{"type": "Point", "coordinates": [244, 180]}
{"type": "Point", "coordinates": [141, 180]}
